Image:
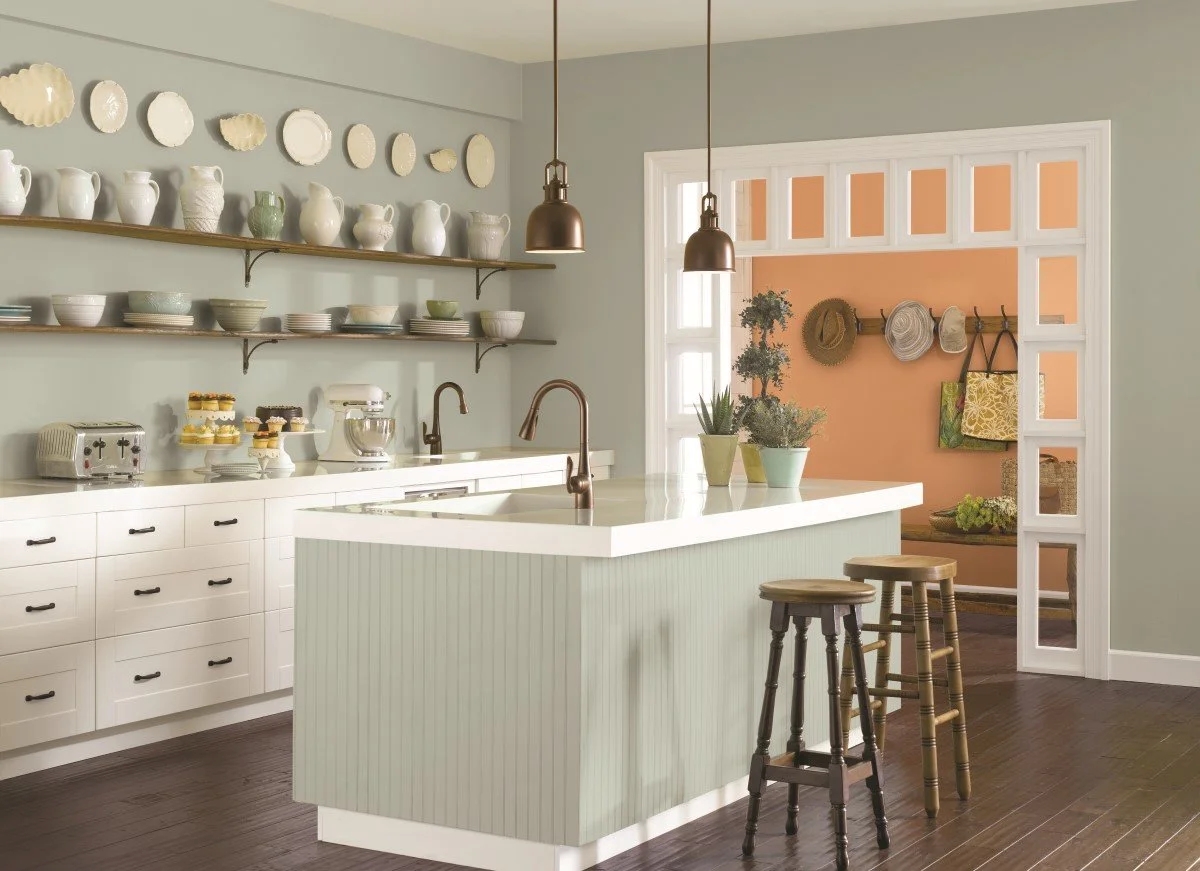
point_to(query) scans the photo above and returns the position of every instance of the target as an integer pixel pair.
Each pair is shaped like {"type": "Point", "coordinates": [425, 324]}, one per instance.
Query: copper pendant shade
{"type": "Point", "coordinates": [709, 249]}
{"type": "Point", "coordinates": [555, 227]}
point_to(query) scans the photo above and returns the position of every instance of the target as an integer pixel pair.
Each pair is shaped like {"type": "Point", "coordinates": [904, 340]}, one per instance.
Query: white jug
{"type": "Point", "coordinates": [202, 198]}
{"type": "Point", "coordinates": [321, 216]}
{"type": "Point", "coordinates": [429, 227]}
{"type": "Point", "coordinates": [374, 228]}
{"type": "Point", "coordinates": [137, 197]}
{"type": "Point", "coordinates": [14, 184]}
{"type": "Point", "coordinates": [486, 234]}
{"type": "Point", "coordinates": [77, 192]}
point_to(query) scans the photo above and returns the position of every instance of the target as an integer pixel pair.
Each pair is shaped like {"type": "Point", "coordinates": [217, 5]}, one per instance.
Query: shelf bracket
{"type": "Point", "coordinates": [479, 279]}
{"type": "Point", "coordinates": [248, 352]}
{"type": "Point", "coordinates": [250, 261]}
{"type": "Point", "coordinates": [479, 355]}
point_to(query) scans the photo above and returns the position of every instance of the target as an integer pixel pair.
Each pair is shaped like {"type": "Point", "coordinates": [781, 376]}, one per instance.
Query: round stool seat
{"type": "Point", "coordinates": [901, 569]}
{"type": "Point", "coordinates": [817, 592]}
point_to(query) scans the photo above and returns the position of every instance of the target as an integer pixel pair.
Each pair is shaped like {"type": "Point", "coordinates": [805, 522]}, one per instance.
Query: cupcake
{"type": "Point", "coordinates": [228, 435]}
{"type": "Point", "coordinates": [188, 435]}
{"type": "Point", "coordinates": [194, 400]}
{"type": "Point", "coordinates": [272, 440]}
{"type": "Point", "coordinates": [260, 440]}
{"type": "Point", "coordinates": [205, 436]}
{"type": "Point", "coordinates": [298, 424]}
{"type": "Point", "coordinates": [225, 401]}
{"type": "Point", "coordinates": [251, 424]}
{"type": "Point", "coordinates": [210, 402]}
{"type": "Point", "coordinates": [276, 424]}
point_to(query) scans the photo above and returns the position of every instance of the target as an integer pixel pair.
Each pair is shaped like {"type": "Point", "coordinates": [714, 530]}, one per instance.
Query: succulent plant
{"type": "Point", "coordinates": [717, 418]}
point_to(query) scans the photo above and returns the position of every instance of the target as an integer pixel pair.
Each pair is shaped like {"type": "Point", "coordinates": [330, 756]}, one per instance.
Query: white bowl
{"type": "Point", "coordinates": [237, 320]}
{"type": "Point", "coordinates": [79, 299]}
{"type": "Point", "coordinates": [372, 315]}
{"type": "Point", "coordinates": [238, 303]}
{"type": "Point", "coordinates": [505, 315]}
{"type": "Point", "coordinates": [75, 315]}
{"type": "Point", "coordinates": [503, 328]}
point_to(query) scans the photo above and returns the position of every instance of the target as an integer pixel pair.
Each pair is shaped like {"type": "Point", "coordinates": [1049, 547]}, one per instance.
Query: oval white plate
{"type": "Point", "coordinates": [481, 161]}
{"type": "Point", "coordinates": [40, 95]}
{"type": "Point", "coordinates": [170, 119]}
{"type": "Point", "coordinates": [109, 107]}
{"type": "Point", "coordinates": [307, 137]}
{"type": "Point", "coordinates": [244, 132]}
{"type": "Point", "coordinates": [360, 145]}
{"type": "Point", "coordinates": [404, 154]}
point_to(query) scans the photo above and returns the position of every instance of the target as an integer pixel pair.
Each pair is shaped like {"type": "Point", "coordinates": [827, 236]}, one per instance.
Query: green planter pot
{"type": "Point", "coordinates": [784, 466]}
{"type": "Point", "coordinates": [753, 464]}
{"type": "Point", "coordinates": [718, 452]}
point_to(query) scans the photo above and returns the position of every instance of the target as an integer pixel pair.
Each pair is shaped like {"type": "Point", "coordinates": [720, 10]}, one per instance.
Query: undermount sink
{"type": "Point", "coordinates": [483, 505]}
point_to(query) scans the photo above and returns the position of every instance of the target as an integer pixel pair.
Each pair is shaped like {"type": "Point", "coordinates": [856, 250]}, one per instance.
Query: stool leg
{"type": "Point", "coordinates": [761, 757]}
{"type": "Point", "coordinates": [962, 762]}
{"type": "Point", "coordinates": [847, 693]}
{"type": "Point", "coordinates": [839, 791]}
{"type": "Point", "coordinates": [870, 751]}
{"type": "Point", "coordinates": [796, 742]}
{"type": "Point", "coordinates": [883, 659]}
{"type": "Point", "coordinates": [925, 695]}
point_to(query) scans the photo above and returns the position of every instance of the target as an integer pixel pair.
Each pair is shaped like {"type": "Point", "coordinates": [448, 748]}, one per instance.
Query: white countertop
{"type": "Point", "coordinates": [631, 515]}
{"type": "Point", "coordinates": [43, 497]}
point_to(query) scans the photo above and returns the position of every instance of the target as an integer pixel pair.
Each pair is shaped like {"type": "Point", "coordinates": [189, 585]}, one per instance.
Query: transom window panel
{"type": "Point", "coordinates": [693, 308]}
{"type": "Point", "coordinates": [991, 198]}
{"type": "Point", "coordinates": [1058, 195]}
{"type": "Point", "coordinates": [868, 204]}
{"type": "Point", "coordinates": [807, 214]}
{"type": "Point", "coordinates": [1060, 482]}
{"type": "Point", "coordinates": [927, 190]}
{"type": "Point", "coordinates": [1057, 566]}
{"type": "Point", "coordinates": [1058, 290]}
{"type": "Point", "coordinates": [749, 210]}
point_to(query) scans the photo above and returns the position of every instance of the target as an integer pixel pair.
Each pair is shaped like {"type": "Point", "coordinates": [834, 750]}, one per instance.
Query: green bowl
{"type": "Point", "coordinates": [442, 309]}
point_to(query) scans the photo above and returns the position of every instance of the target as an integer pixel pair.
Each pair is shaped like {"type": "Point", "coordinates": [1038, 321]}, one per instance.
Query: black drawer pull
{"type": "Point", "coordinates": [40, 698]}
{"type": "Point", "coordinates": [34, 542]}
{"type": "Point", "coordinates": [149, 592]}
{"type": "Point", "coordinates": [225, 522]}
{"type": "Point", "coordinates": [145, 531]}
{"type": "Point", "coordinates": [220, 583]}
{"type": "Point", "coordinates": [224, 661]}
{"type": "Point", "coordinates": [29, 609]}
{"type": "Point", "coordinates": [138, 678]}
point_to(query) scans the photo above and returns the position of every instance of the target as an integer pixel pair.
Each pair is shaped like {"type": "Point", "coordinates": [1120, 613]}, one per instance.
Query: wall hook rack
{"type": "Point", "coordinates": [482, 275]}
{"type": "Point", "coordinates": [1004, 316]}
{"type": "Point", "coordinates": [251, 260]}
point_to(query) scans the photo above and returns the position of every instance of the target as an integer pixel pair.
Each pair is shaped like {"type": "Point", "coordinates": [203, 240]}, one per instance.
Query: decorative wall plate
{"type": "Point", "coordinates": [108, 106]}
{"type": "Point", "coordinates": [38, 96]}
{"type": "Point", "coordinates": [306, 137]}
{"type": "Point", "coordinates": [170, 119]}
{"type": "Point", "coordinates": [481, 160]}
{"type": "Point", "coordinates": [244, 132]}
{"type": "Point", "coordinates": [443, 160]}
{"type": "Point", "coordinates": [404, 154]}
{"type": "Point", "coordinates": [360, 145]}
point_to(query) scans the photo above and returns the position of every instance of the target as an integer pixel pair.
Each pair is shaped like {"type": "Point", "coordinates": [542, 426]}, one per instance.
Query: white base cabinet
{"type": "Point", "coordinates": [281, 649]}
{"type": "Point", "coordinates": [47, 694]}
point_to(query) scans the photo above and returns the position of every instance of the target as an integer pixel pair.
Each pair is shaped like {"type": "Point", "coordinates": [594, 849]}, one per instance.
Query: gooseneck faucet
{"type": "Point", "coordinates": [580, 485]}
{"type": "Point", "coordinates": [434, 439]}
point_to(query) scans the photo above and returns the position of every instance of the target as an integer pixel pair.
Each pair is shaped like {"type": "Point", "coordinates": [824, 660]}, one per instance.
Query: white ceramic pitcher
{"type": "Point", "coordinates": [137, 197]}
{"type": "Point", "coordinates": [77, 192]}
{"type": "Point", "coordinates": [374, 228]}
{"type": "Point", "coordinates": [321, 216]}
{"type": "Point", "coordinates": [202, 198]}
{"type": "Point", "coordinates": [486, 234]}
{"type": "Point", "coordinates": [15, 181]}
{"type": "Point", "coordinates": [429, 227]}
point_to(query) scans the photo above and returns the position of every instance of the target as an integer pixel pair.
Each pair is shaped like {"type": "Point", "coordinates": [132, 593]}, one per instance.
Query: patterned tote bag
{"type": "Point", "coordinates": [950, 412]}
{"type": "Point", "coordinates": [990, 402]}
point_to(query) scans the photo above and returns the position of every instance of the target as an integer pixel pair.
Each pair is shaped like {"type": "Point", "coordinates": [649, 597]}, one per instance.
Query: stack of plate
{"type": "Point", "coordinates": [236, 470]}
{"type": "Point", "coordinates": [439, 327]}
{"type": "Point", "coordinates": [15, 314]}
{"type": "Point", "coordinates": [309, 323]}
{"type": "Point", "coordinates": [162, 322]}
{"type": "Point", "coordinates": [373, 329]}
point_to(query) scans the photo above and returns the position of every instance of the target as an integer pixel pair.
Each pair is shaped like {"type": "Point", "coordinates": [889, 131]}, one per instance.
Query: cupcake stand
{"type": "Point", "coordinates": [278, 459]}
{"type": "Point", "coordinates": [213, 453]}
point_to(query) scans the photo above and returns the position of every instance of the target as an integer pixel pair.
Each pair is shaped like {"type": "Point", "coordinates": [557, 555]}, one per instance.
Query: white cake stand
{"type": "Point", "coordinates": [278, 459]}
{"type": "Point", "coordinates": [200, 414]}
{"type": "Point", "coordinates": [212, 454]}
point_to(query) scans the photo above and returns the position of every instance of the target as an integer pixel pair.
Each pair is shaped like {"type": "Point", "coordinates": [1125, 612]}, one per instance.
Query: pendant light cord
{"type": "Point", "coordinates": [556, 80]}
{"type": "Point", "coordinates": [708, 91]}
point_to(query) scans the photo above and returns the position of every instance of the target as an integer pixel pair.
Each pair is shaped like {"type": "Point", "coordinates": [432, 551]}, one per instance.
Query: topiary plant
{"type": "Point", "coordinates": [763, 361]}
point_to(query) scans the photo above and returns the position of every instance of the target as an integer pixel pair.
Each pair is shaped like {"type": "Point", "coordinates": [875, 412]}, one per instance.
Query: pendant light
{"type": "Point", "coordinates": [555, 227]}
{"type": "Point", "coordinates": [709, 249]}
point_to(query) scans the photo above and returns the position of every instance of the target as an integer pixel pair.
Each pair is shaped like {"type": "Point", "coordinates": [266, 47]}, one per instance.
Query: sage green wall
{"type": "Point", "coordinates": [1134, 64]}
{"type": "Point", "coordinates": [146, 380]}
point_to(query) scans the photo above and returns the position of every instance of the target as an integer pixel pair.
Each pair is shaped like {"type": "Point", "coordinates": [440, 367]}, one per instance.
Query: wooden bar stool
{"type": "Point", "coordinates": [800, 602]}
{"type": "Point", "coordinates": [917, 571]}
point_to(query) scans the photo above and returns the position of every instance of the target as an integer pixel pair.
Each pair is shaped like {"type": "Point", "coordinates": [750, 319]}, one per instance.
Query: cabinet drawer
{"type": "Point", "coordinates": [47, 606]}
{"type": "Point", "coordinates": [47, 694]}
{"type": "Point", "coordinates": [223, 522]}
{"type": "Point", "coordinates": [498, 485]}
{"type": "Point", "coordinates": [139, 531]}
{"type": "Point", "coordinates": [394, 494]}
{"type": "Point", "coordinates": [153, 674]}
{"type": "Point", "coordinates": [281, 652]}
{"type": "Point", "coordinates": [544, 479]}
{"type": "Point", "coordinates": [279, 512]}
{"type": "Point", "coordinates": [279, 573]}
{"type": "Point", "coordinates": [602, 473]}
{"type": "Point", "coordinates": [160, 601]}
{"type": "Point", "coordinates": [47, 540]}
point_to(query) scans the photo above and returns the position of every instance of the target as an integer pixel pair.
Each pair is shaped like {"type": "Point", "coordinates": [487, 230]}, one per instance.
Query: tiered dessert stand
{"type": "Point", "coordinates": [213, 454]}
{"type": "Point", "coordinates": [278, 459]}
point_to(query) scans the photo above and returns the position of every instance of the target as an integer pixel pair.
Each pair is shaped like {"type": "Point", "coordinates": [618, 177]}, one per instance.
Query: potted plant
{"type": "Point", "coordinates": [718, 437]}
{"type": "Point", "coordinates": [782, 432]}
{"type": "Point", "coordinates": [762, 363]}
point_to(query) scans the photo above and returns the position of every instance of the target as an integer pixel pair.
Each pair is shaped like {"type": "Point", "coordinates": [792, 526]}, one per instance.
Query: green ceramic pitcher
{"type": "Point", "coordinates": [266, 216]}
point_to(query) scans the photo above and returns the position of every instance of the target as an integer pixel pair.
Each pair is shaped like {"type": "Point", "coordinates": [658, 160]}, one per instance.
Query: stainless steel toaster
{"type": "Point", "coordinates": [107, 449]}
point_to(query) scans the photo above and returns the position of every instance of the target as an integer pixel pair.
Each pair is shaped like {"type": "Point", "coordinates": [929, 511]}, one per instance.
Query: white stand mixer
{"type": "Point", "coordinates": [349, 401]}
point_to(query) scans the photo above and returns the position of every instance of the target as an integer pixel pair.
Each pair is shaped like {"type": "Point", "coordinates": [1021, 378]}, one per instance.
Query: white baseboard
{"type": "Point", "coordinates": [1005, 591]}
{"type": "Point", "coordinates": [1163, 668]}
{"type": "Point", "coordinates": [80, 747]}
{"type": "Point", "coordinates": [498, 853]}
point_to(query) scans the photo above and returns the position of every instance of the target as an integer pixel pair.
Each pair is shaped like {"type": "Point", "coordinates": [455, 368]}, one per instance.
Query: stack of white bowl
{"type": "Point", "coordinates": [78, 310]}
{"type": "Point", "coordinates": [316, 322]}
{"type": "Point", "coordinates": [501, 324]}
{"type": "Point", "coordinates": [238, 315]}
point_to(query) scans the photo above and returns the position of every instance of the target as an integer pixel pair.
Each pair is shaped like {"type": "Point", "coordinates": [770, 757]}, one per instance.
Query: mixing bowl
{"type": "Point", "coordinates": [160, 302]}
{"type": "Point", "coordinates": [442, 309]}
{"type": "Point", "coordinates": [372, 315]}
{"type": "Point", "coordinates": [370, 436]}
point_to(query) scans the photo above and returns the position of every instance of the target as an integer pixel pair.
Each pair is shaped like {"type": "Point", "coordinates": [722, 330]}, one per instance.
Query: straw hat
{"type": "Point", "coordinates": [829, 331]}
{"type": "Point", "coordinates": [952, 330]}
{"type": "Point", "coordinates": [909, 331]}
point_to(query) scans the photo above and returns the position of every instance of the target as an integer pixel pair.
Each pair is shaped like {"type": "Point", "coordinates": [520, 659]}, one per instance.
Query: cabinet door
{"type": "Point", "coordinates": [138, 531]}
{"type": "Point", "coordinates": [280, 573]}
{"type": "Point", "coordinates": [279, 512]}
{"type": "Point", "coordinates": [47, 540]}
{"type": "Point", "coordinates": [47, 606]}
{"type": "Point", "coordinates": [281, 653]}
{"type": "Point", "coordinates": [47, 694]}
{"type": "Point", "coordinates": [222, 522]}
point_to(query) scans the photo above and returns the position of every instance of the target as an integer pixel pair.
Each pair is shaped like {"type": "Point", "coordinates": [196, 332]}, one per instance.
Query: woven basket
{"type": "Point", "coordinates": [1059, 484]}
{"type": "Point", "coordinates": [943, 521]}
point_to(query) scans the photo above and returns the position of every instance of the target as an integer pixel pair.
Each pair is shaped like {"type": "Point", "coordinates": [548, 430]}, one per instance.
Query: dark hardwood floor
{"type": "Point", "coordinates": [1068, 774]}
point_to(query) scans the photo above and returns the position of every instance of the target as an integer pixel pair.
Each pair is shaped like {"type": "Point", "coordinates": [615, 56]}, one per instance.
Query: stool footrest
{"type": "Point", "coordinates": [875, 645]}
{"type": "Point", "coordinates": [810, 768]}
{"type": "Point", "coordinates": [889, 693]}
{"type": "Point", "coordinates": [940, 719]}
{"type": "Point", "coordinates": [941, 653]}
{"type": "Point", "coordinates": [892, 677]}
{"type": "Point", "coordinates": [903, 629]}
{"type": "Point", "coordinates": [875, 705]}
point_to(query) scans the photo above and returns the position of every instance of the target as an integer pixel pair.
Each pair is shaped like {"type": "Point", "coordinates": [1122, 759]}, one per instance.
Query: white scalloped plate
{"type": "Point", "coordinates": [38, 96]}
{"type": "Point", "coordinates": [443, 160]}
{"type": "Point", "coordinates": [108, 106]}
{"type": "Point", "coordinates": [360, 145]}
{"type": "Point", "coordinates": [244, 132]}
{"type": "Point", "coordinates": [404, 154]}
{"type": "Point", "coordinates": [170, 119]}
{"type": "Point", "coordinates": [481, 160]}
{"type": "Point", "coordinates": [306, 137]}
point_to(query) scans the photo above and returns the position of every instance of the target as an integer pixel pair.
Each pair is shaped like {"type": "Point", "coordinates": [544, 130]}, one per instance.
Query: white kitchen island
{"type": "Point", "coordinates": [504, 682]}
